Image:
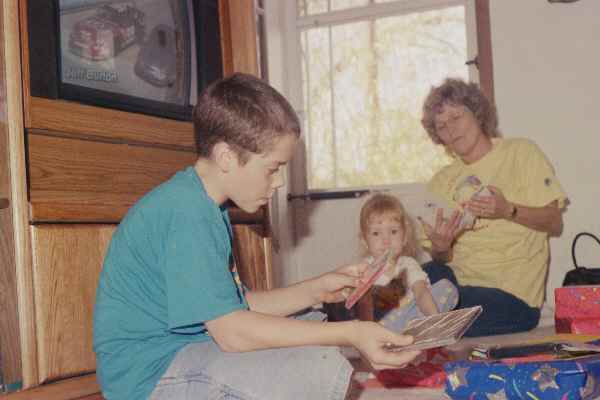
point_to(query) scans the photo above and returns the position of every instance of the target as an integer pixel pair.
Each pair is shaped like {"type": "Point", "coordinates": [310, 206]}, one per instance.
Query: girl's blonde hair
{"type": "Point", "coordinates": [382, 203]}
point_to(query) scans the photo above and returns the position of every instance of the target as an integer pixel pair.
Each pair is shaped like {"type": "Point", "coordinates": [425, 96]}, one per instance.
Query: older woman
{"type": "Point", "coordinates": [501, 261]}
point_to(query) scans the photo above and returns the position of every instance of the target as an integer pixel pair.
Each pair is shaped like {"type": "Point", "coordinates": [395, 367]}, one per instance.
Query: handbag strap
{"type": "Point", "coordinates": [580, 234]}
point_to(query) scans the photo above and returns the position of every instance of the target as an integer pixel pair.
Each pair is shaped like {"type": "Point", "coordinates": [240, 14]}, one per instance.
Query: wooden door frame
{"type": "Point", "coordinates": [484, 48]}
{"type": "Point", "coordinates": [13, 103]}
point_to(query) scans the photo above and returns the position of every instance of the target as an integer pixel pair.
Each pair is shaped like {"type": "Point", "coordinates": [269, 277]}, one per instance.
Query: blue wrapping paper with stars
{"type": "Point", "coordinates": [572, 379]}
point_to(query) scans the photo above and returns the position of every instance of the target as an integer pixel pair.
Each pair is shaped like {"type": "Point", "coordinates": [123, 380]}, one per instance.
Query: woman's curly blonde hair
{"type": "Point", "coordinates": [457, 92]}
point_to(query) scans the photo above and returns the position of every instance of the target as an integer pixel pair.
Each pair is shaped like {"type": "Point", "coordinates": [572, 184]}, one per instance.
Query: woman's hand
{"type": "Point", "coordinates": [370, 337]}
{"type": "Point", "coordinates": [445, 231]}
{"type": "Point", "coordinates": [493, 206]}
{"type": "Point", "coordinates": [330, 287]}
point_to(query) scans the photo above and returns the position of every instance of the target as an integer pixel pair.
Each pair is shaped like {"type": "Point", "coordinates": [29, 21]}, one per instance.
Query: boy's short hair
{"type": "Point", "coordinates": [244, 112]}
{"type": "Point", "coordinates": [383, 203]}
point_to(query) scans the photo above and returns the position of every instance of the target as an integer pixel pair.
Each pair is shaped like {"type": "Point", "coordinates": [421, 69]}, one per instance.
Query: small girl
{"type": "Point", "coordinates": [403, 292]}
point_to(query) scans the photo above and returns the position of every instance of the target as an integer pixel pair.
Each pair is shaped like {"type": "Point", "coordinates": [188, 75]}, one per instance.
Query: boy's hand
{"type": "Point", "coordinates": [370, 337]}
{"type": "Point", "coordinates": [329, 287]}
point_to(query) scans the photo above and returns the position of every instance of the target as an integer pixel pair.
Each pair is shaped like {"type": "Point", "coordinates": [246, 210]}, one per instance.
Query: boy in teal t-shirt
{"type": "Point", "coordinates": [172, 320]}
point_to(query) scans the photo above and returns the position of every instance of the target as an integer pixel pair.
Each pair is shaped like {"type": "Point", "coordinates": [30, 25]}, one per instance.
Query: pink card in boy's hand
{"type": "Point", "coordinates": [375, 270]}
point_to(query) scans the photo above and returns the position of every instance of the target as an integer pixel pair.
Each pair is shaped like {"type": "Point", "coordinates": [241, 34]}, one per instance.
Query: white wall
{"type": "Point", "coordinates": [546, 76]}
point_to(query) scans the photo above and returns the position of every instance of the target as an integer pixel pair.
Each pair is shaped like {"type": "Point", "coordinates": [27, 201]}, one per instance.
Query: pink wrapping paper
{"type": "Point", "coordinates": [577, 309]}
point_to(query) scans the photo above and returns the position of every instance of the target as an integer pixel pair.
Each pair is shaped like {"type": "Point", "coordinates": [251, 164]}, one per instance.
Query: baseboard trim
{"type": "Point", "coordinates": [67, 389]}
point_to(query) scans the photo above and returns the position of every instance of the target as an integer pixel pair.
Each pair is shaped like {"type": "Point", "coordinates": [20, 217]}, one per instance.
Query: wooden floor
{"type": "Point", "coordinates": [41, 394]}
{"type": "Point", "coordinates": [78, 388]}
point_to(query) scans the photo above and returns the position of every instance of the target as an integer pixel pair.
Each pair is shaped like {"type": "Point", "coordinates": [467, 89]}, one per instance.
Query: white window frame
{"type": "Point", "coordinates": [283, 36]}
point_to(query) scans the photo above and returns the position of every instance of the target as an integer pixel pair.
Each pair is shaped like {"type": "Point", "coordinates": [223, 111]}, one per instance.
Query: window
{"type": "Point", "coordinates": [366, 67]}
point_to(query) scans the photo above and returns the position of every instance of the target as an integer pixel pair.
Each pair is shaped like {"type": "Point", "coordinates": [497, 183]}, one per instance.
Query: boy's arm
{"type": "Point", "coordinates": [283, 301]}
{"type": "Point", "coordinates": [327, 288]}
{"type": "Point", "coordinates": [243, 330]}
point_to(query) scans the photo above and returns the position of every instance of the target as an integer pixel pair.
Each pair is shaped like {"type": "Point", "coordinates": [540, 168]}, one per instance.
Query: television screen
{"type": "Point", "coordinates": [138, 48]}
{"type": "Point", "coordinates": [149, 56]}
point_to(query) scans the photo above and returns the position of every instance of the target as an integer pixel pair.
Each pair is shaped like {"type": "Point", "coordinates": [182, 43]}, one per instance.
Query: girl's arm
{"type": "Point", "coordinates": [243, 330]}
{"type": "Point", "coordinates": [423, 298]}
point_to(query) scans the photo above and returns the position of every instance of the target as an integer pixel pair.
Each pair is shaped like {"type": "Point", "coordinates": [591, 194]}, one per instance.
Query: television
{"type": "Point", "coordinates": [145, 56]}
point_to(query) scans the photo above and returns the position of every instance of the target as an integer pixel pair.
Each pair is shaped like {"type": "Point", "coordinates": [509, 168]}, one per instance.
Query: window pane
{"type": "Point", "coordinates": [310, 7]}
{"type": "Point", "coordinates": [364, 106]}
{"type": "Point", "coordinates": [318, 124]}
{"type": "Point", "coordinates": [345, 4]}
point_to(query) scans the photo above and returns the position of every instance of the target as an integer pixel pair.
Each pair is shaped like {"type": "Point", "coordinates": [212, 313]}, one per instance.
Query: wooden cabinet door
{"type": "Point", "coordinates": [67, 260]}
{"type": "Point", "coordinates": [252, 252]}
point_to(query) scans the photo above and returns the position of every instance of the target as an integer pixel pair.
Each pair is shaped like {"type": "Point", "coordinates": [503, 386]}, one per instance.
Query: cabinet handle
{"type": "Point", "coordinates": [4, 203]}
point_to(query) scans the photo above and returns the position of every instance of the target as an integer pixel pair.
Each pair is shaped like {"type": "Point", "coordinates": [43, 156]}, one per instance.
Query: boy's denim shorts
{"type": "Point", "coordinates": [203, 371]}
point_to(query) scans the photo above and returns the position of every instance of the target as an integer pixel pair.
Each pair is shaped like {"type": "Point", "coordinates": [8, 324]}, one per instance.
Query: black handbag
{"type": "Point", "coordinates": [582, 275]}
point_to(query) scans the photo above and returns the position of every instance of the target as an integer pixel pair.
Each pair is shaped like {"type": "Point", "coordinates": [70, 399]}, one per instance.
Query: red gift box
{"type": "Point", "coordinates": [577, 309]}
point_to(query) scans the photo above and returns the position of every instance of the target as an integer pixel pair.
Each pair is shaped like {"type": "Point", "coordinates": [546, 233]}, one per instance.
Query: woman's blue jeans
{"type": "Point", "coordinates": [502, 311]}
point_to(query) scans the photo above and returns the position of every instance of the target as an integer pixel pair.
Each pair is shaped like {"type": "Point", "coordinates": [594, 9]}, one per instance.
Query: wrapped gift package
{"type": "Point", "coordinates": [573, 379]}
{"type": "Point", "coordinates": [425, 372]}
{"type": "Point", "coordinates": [578, 326]}
{"type": "Point", "coordinates": [577, 309]}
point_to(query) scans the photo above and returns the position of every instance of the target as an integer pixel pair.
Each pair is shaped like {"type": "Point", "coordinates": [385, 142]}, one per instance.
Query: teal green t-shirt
{"type": "Point", "coordinates": [168, 269]}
